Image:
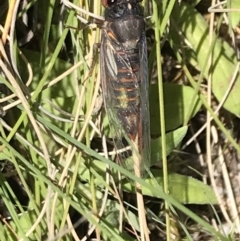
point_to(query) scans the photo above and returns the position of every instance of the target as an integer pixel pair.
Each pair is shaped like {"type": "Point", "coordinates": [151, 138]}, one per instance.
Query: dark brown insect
{"type": "Point", "coordinates": [124, 75]}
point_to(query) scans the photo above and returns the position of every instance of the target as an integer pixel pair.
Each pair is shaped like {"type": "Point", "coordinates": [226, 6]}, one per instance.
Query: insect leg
{"type": "Point", "coordinates": [96, 46]}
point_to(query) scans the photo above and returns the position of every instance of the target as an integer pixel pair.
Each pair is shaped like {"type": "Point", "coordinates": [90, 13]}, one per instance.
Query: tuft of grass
{"type": "Point", "coordinates": [55, 174]}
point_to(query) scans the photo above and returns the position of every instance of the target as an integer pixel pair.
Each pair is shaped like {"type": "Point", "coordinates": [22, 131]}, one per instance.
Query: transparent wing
{"type": "Point", "coordinates": [144, 93]}
{"type": "Point", "coordinates": [109, 74]}
{"type": "Point", "coordinates": [118, 106]}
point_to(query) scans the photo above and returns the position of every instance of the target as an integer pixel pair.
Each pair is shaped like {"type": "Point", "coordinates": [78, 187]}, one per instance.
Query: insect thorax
{"type": "Point", "coordinates": [125, 24]}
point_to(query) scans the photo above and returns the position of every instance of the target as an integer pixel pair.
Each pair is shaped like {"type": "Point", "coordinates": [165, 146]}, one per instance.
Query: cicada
{"type": "Point", "coordinates": [124, 80]}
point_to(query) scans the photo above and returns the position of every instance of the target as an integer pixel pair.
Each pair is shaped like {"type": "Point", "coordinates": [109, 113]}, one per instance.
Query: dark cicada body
{"type": "Point", "coordinates": [124, 75]}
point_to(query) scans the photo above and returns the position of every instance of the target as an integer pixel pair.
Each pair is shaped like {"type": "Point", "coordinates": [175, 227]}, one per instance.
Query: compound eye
{"type": "Point", "coordinates": [104, 3]}
{"type": "Point", "coordinates": [108, 3]}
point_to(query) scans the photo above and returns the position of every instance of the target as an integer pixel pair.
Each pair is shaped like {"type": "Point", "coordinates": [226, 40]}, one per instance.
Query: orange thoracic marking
{"type": "Point", "coordinates": [111, 35]}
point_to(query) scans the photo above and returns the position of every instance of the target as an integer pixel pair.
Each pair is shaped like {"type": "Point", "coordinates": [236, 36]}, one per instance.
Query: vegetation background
{"type": "Point", "coordinates": [56, 152]}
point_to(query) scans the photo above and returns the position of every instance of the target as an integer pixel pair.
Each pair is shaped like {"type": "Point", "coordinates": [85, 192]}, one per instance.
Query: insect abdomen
{"type": "Point", "coordinates": [126, 92]}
